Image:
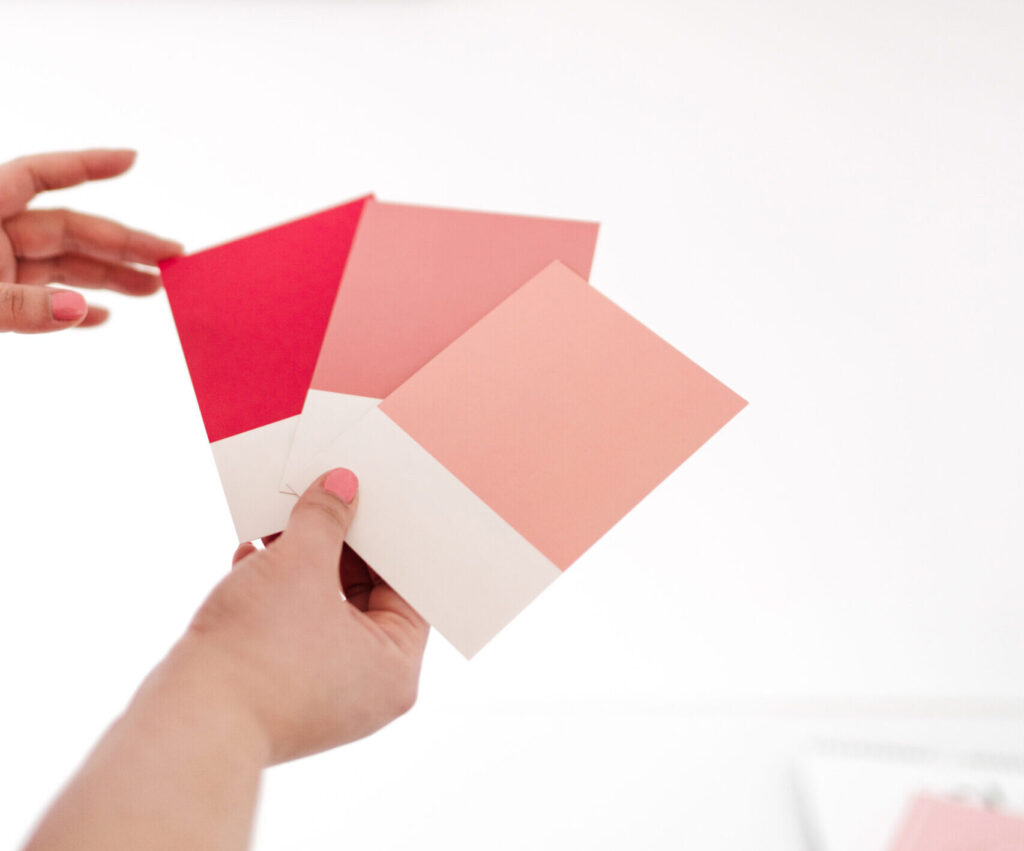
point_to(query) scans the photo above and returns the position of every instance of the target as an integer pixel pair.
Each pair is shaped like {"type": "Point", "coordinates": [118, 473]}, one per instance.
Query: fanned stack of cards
{"type": "Point", "coordinates": [500, 413]}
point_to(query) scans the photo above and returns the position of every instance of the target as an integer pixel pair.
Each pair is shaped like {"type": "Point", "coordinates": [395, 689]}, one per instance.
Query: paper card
{"type": "Point", "coordinates": [417, 278]}
{"type": "Point", "coordinates": [934, 824]}
{"type": "Point", "coordinates": [854, 795]}
{"type": "Point", "coordinates": [501, 461]}
{"type": "Point", "coordinates": [251, 316]}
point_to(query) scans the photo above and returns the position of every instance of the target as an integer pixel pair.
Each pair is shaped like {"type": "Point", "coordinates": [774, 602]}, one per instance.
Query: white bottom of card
{"type": "Point", "coordinates": [250, 467]}
{"type": "Point", "coordinates": [325, 415]}
{"type": "Point", "coordinates": [455, 560]}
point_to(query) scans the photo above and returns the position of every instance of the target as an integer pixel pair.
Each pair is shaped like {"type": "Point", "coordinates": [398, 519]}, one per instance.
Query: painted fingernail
{"type": "Point", "coordinates": [67, 306]}
{"type": "Point", "coordinates": [343, 484]}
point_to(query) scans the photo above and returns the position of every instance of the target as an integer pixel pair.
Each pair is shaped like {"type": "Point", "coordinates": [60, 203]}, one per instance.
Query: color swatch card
{"type": "Point", "coordinates": [417, 278]}
{"type": "Point", "coordinates": [854, 796]}
{"type": "Point", "coordinates": [934, 824]}
{"type": "Point", "coordinates": [251, 316]}
{"type": "Point", "coordinates": [499, 462]}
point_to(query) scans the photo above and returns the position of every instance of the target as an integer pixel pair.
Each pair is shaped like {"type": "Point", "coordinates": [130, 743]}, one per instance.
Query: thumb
{"type": "Point", "coordinates": [321, 518]}
{"type": "Point", "coordinates": [33, 309]}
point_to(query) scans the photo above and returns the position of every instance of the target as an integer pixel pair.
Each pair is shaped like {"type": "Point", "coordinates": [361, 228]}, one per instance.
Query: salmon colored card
{"type": "Point", "coordinates": [417, 278]}
{"type": "Point", "coordinates": [934, 824]}
{"type": "Point", "coordinates": [496, 465]}
{"type": "Point", "coordinates": [251, 316]}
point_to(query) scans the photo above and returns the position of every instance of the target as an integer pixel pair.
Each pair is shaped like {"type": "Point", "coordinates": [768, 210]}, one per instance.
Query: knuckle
{"type": "Point", "coordinates": [324, 506]}
{"type": "Point", "coordinates": [53, 273]}
{"type": "Point", "coordinates": [127, 245]}
{"type": "Point", "coordinates": [64, 227]}
{"type": "Point", "coordinates": [41, 181]}
{"type": "Point", "coordinates": [13, 306]}
{"type": "Point", "coordinates": [20, 238]}
{"type": "Point", "coordinates": [19, 170]}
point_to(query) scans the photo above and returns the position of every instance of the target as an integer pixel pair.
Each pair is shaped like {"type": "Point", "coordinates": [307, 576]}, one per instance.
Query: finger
{"type": "Point", "coordinates": [319, 521]}
{"type": "Point", "coordinates": [26, 177]}
{"type": "Point", "coordinates": [41, 234]}
{"type": "Point", "coordinates": [246, 549]}
{"type": "Point", "coordinates": [74, 270]}
{"type": "Point", "coordinates": [400, 621]}
{"type": "Point", "coordinates": [33, 310]}
{"type": "Point", "coordinates": [356, 581]}
{"type": "Point", "coordinates": [94, 316]}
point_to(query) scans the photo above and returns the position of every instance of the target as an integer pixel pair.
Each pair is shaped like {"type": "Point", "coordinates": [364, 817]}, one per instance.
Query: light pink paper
{"type": "Point", "coordinates": [503, 459]}
{"type": "Point", "coordinates": [934, 824]}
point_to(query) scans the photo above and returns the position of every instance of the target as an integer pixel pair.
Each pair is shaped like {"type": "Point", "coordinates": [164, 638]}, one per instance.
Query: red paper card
{"type": "Point", "coordinates": [251, 316]}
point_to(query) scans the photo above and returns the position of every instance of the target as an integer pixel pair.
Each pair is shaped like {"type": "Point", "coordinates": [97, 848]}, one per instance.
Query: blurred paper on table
{"type": "Point", "coordinates": [855, 797]}
{"type": "Point", "coordinates": [251, 316]}
{"type": "Point", "coordinates": [416, 279]}
{"type": "Point", "coordinates": [500, 462]}
{"type": "Point", "coordinates": [934, 824]}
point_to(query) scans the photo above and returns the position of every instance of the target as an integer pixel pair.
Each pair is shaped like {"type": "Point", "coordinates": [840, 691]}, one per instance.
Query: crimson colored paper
{"type": "Point", "coordinates": [251, 316]}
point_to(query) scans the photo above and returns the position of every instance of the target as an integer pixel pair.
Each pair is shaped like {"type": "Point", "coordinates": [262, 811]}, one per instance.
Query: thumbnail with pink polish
{"type": "Point", "coordinates": [343, 484]}
{"type": "Point", "coordinates": [67, 306]}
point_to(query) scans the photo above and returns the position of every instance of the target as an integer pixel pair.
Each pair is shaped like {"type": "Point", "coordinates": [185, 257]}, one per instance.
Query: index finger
{"type": "Point", "coordinates": [400, 621]}
{"type": "Point", "coordinates": [24, 178]}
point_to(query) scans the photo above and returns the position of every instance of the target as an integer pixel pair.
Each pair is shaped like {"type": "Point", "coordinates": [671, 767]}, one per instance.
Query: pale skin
{"type": "Point", "coordinates": [275, 665]}
{"type": "Point", "coordinates": [299, 649]}
{"type": "Point", "coordinates": [57, 246]}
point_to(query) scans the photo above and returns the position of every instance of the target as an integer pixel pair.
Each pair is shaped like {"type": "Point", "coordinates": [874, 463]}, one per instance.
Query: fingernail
{"type": "Point", "coordinates": [343, 484]}
{"type": "Point", "coordinates": [67, 306]}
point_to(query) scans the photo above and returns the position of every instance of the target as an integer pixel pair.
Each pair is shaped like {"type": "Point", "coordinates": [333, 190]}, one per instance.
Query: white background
{"type": "Point", "coordinates": [820, 202]}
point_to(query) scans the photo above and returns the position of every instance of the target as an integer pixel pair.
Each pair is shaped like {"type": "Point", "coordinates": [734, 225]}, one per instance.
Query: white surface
{"type": "Point", "coordinates": [456, 560]}
{"type": "Point", "coordinates": [855, 796]}
{"type": "Point", "coordinates": [565, 775]}
{"type": "Point", "coordinates": [820, 202]}
{"type": "Point", "coordinates": [250, 465]}
{"type": "Point", "coordinates": [324, 416]}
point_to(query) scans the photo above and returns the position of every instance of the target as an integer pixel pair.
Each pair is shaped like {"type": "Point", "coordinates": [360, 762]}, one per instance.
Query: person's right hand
{"type": "Point", "coordinates": [274, 666]}
{"type": "Point", "coordinates": [280, 652]}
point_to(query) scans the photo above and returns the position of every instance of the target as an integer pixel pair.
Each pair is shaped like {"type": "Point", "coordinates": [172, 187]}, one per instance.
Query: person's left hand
{"type": "Point", "coordinates": [39, 247]}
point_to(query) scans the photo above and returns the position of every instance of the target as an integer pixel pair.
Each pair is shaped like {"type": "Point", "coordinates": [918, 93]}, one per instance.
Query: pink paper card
{"type": "Point", "coordinates": [497, 464]}
{"type": "Point", "coordinates": [251, 316]}
{"type": "Point", "coordinates": [934, 824]}
{"type": "Point", "coordinates": [416, 279]}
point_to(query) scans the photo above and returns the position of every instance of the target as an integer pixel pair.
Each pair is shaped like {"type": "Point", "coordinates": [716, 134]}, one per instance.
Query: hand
{"type": "Point", "coordinates": [39, 247]}
{"type": "Point", "coordinates": [274, 666]}
{"type": "Point", "coordinates": [304, 668]}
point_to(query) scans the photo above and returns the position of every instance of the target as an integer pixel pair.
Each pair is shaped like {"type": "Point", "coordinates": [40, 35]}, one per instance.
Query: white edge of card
{"type": "Point", "coordinates": [250, 466]}
{"type": "Point", "coordinates": [440, 546]}
{"type": "Point", "coordinates": [325, 415]}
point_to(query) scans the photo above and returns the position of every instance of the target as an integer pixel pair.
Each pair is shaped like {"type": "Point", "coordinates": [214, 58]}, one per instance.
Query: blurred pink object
{"type": "Point", "coordinates": [934, 824]}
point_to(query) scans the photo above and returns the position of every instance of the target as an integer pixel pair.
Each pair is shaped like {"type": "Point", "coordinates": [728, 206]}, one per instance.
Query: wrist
{"type": "Point", "coordinates": [192, 696]}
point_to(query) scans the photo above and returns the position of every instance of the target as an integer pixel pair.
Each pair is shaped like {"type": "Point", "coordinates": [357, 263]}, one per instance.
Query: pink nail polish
{"type": "Point", "coordinates": [343, 484]}
{"type": "Point", "coordinates": [67, 306]}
